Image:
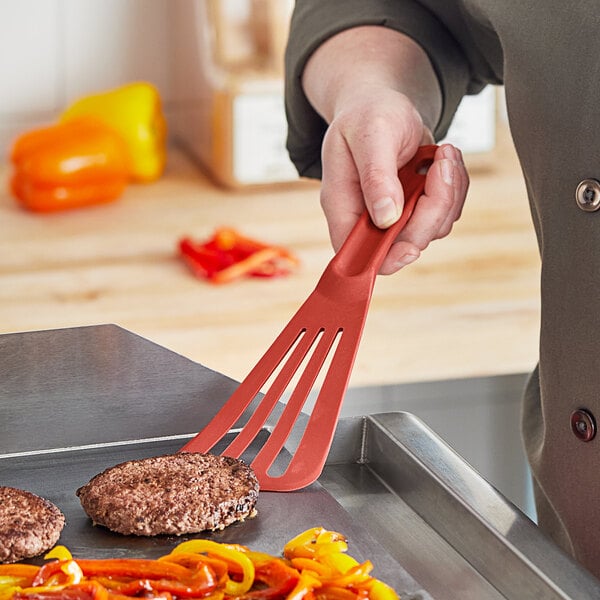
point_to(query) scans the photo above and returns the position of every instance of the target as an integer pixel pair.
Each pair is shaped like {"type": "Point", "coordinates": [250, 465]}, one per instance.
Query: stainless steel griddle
{"type": "Point", "coordinates": [76, 401]}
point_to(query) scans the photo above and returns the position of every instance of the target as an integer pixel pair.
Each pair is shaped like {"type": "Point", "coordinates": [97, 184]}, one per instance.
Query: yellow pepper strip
{"type": "Point", "coordinates": [354, 576]}
{"type": "Point", "coordinates": [258, 558]}
{"type": "Point", "coordinates": [338, 561]}
{"type": "Point", "coordinates": [330, 548]}
{"type": "Point", "coordinates": [302, 539]}
{"type": "Point", "coordinates": [303, 544]}
{"type": "Point", "coordinates": [325, 537]}
{"type": "Point", "coordinates": [9, 584]}
{"type": "Point", "coordinates": [309, 564]}
{"type": "Point", "coordinates": [15, 577]}
{"type": "Point", "coordinates": [135, 112]}
{"type": "Point", "coordinates": [8, 591]}
{"type": "Point", "coordinates": [60, 553]}
{"type": "Point", "coordinates": [381, 591]}
{"type": "Point", "coordinates": [214, 549]}
{"type": "Point", "coordinates": [6, 580]}
{"type": "Point", "coordinates": [191, 561]}
{"type": "Point", "coordinates": [336, 593]}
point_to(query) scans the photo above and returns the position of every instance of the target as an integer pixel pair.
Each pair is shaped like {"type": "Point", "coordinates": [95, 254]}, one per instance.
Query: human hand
{"type": "Point", "coordinates": [369, 139]}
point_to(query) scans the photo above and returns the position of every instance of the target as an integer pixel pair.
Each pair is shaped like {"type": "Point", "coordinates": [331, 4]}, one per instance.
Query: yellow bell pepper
{"type": "Point", "coordinates": [135, 112]}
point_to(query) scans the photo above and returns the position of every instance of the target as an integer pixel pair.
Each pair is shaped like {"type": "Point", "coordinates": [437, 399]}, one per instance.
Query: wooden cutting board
{"type": "Point", "coordinates": [468, 307]}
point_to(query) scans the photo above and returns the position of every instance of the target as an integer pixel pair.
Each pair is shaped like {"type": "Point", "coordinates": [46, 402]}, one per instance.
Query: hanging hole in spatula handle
{"type": "Point", "coordinates": [412, 177]}
{"type": "Point", "coordinates": [367, 245]}
{"type": "Point", "coordinates": [420, 162]}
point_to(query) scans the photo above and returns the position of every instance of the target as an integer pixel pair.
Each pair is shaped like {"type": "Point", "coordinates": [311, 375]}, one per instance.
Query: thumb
{"type": "Point", "coordinates": [381, 187]}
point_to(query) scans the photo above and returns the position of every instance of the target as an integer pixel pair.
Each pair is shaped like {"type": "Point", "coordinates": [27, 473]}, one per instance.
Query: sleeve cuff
{"type": "Point", "coordinates": [315, 21]}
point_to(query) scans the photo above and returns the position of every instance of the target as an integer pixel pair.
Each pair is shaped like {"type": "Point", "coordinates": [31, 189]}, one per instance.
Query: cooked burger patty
{"type": "Point", "coordinates": [172, 494]}
{"type": "Point", "coordinates": [29, 524]}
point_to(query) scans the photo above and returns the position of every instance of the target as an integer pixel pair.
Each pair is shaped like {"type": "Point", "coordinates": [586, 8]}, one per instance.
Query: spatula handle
{"type": "Point", "coordinates": [366, 247]}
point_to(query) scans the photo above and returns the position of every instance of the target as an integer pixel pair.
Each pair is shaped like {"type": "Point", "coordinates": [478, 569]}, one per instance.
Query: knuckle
{"type": "Point", "coordinates": [444, 230]}
{"type": "Point", "coordinates": [373, 177]}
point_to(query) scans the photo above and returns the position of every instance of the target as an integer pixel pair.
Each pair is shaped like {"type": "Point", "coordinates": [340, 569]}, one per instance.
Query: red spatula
{"type": "Point", "coordinates": [330, 321]}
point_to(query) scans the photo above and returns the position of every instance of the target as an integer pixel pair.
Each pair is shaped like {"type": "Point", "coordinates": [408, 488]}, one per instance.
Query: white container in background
{"type": "Point", "coordinates": [473, 129]}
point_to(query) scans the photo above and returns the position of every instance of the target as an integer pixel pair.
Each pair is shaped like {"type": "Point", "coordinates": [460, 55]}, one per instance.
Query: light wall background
{"type": "Point", "coordinates": [54, 51]}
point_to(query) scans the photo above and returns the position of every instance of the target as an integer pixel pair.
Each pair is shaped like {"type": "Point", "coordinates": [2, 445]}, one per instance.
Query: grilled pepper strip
{"type": "Point", "coordinates": [227, 255]}
{"type": "Point", "coordinates": [142, 575]}
{"type": "Point", "coordinates": [135, 112]}
{"type": "Point", "coordinates": [19, 570]}
{"type": "Point", "coordinates": [314, 569]}
{"type": "Point", "coordinates": [138, 568]}
{"type": "Point", "coordinates": [69, 165]}
{"type": "Point", "coordinates": [277, 576]}
{"type": "Point", "coordinates": [86, 590]}
{"type": "Point", "coordinates": [229, 555]}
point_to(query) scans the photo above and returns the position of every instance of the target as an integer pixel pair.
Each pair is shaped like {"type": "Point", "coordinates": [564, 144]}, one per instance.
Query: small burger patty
{"type": "Point", "coordinates": [29, 524]}
{"type": "Point", "coordinates": [171, 494]}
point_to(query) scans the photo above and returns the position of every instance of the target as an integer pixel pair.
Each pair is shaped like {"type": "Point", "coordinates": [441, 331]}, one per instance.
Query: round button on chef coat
{"type": "Point", "coordinates": [587, 195]}
{"type": "Point", "coordinates": [583, 425]}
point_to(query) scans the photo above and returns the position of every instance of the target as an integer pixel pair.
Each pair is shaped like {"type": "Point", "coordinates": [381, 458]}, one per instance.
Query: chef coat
{"type": "Point", "coordinates": [547, 55]}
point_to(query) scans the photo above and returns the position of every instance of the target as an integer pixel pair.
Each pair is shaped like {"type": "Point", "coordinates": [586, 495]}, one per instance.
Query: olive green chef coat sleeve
{"type": "Point", "coordinates": [460, 66]}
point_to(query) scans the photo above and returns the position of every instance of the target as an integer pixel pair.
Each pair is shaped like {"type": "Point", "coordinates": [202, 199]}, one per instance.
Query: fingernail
{"type": "Point", "coordinates": [447, 167]}
{"type": "Point", "coordinates": [406, 259]}
{"type": "Point", "coordinates": [449, 152]}
{"type": "Point", "coordinates": [385, 212]}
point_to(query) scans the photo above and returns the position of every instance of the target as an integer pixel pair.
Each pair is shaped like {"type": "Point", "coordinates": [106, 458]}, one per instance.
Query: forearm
{"type": "Point", "coordinates": [367, 58]}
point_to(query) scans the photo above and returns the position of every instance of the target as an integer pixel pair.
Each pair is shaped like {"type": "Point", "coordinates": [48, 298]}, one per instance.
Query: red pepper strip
{"type": "Point", "coordinates": [47, 571]}
{"type": "Point", "coordinates": [243, 247]}
{"type": "Point", "coordinates": [277, 576]}
{"type": "Point", "coordinates": [86, 590]}
{"type": "Point", "coordinates": [305, 587]}
{"type": "Point", "coordinates": [139, 568]}
{"type": "Point", "coordinates": [203, 262]}
{"type": "Point", "coordinates": [191, 560]}
{"type": "Point", "coordinates": [247, 266]}
{"type": "Point", "coordinates": [168, 577]}
{"type": "Point", "coordinates": [190, 589]}
{"type": "Point", "coordinates": [162, 576]}
{"type": "Point", "coordinates": [115, 588]}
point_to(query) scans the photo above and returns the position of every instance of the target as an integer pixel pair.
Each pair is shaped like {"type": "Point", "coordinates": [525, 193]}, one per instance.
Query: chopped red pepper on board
{"type": "Point", "coordinates": [227, 255]}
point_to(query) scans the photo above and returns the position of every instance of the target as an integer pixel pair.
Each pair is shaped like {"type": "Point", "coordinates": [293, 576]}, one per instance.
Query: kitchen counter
{"type": "Point", "coordinates": [431, 525]}
{"type": "Point", "coordinates": [468, 307]}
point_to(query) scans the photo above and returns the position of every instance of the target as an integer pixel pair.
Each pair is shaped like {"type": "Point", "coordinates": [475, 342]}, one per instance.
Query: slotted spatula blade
{"type": "Point", "coordinates": [328, 326]}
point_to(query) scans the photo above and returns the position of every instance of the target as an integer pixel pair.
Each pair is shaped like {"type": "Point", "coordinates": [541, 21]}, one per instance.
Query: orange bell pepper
{"type": "Point", "coordinates": [69, 165]}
